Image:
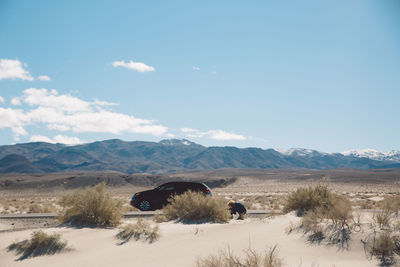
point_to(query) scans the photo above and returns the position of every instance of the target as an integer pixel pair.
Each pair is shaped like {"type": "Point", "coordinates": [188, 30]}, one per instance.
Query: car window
{"type": "Point", "coordinates": [165, 188]}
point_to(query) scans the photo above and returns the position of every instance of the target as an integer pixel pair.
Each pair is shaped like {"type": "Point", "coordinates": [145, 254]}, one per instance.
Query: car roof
{"type": "Point", "coordinates": [182, 183]}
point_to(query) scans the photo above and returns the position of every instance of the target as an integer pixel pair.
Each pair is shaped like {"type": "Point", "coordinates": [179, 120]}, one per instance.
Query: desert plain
{"type": "Point", "coordinates": [185, 244]}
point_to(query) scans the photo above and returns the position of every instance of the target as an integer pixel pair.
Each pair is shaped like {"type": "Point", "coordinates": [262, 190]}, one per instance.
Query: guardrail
{"type": "Point", "coordinates": [132, 214]}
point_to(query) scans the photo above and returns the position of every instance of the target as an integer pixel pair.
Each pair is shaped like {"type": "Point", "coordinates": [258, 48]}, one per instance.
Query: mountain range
{"type": "Point", "coordinates": [174, 155]}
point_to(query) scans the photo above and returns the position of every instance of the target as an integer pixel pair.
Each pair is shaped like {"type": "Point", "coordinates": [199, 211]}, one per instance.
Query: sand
{"type": "Point", "coordinates": [181, 245]}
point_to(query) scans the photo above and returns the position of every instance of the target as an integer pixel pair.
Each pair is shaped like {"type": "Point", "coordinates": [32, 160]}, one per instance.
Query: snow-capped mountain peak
{"type": "Point", "coordinates": [298, 152]}
{"type": "Point", "coordinates": [172, 142]}
{"type": "Point", "coordinates": [374, 154]}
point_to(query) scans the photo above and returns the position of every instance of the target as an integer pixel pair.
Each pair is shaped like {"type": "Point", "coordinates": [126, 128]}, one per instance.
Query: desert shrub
{"type": "Point", "coordinates": [332, 221]}
{"type": "Point", "coordinates": [159, 218]}
{"type": "Point", "coordinates": [252, 259]}
{"type": "Point", "coordinates": [139, 230]}
{"type": "Point", "coordinates": [396, 241]}
{"type": "Point", "coordinates": [92, 206]}
{"type": "Point", "coordinates": [382, 218]}
{"type": "Point", "coordinates": [366, 204]}
{"type": "Point", "coordinates": [337, 235]}
{"type": "Point", "coordinates": [382, 246]}
{"type": "Point", "coordinates": [340, 211]}
{"type": "Point", "coordinates": [310, 223]}
{"type": "Point", "coordinates": [196, 207]}
{"type": "Point", "coordinates": [305, 199]}
{"type": "Point", "coordinates": [396, 225]}
{"type": "Point", "coordinates": [36, 208]}
{"type": "Point", "coordinates": [40, 243]}
{"type": "Point", "coordinates": [391, 204]}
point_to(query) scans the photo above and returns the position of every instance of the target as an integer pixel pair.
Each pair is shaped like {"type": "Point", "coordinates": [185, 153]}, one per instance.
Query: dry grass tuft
{"type": "Point", "coordinates": [40, 243]}
{"type": "Point", "coordinates": [194, 207]}
{"type": "Point", "coordinates": [93, 206]}
{"type": "Point", "coordinates": [252, 259]}
{"type": "Point", "coordinates": [140, 230]}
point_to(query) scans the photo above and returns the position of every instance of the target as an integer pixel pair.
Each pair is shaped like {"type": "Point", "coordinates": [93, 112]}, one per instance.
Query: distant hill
{"type": "Point", "coordinates": [169, 156]}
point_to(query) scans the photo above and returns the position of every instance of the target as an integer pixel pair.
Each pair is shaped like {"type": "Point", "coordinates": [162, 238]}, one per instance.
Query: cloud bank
{"type": "Point", "coordinates": [63, 112]}
{"type": "Point", "coordinates": [43, 109]}
{"type": "Point", "coordinates": [137, 66]}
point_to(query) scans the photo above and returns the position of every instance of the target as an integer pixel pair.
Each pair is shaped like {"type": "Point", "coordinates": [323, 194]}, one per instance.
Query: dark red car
{"type": "Point", "coordinates": [158, 197]}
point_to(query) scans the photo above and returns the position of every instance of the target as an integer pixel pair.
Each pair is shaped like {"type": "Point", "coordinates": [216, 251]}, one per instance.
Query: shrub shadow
{"type": "Point", "coordinates": [20, 249]}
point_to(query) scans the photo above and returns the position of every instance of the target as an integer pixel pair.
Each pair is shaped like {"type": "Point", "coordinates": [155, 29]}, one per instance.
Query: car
{"type": "Point", "coordinates": [158, 197]}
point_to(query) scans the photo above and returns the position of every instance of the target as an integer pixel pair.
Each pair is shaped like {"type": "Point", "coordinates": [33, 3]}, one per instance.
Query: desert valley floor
{"type": "Point", "coordinates": [183, 244]}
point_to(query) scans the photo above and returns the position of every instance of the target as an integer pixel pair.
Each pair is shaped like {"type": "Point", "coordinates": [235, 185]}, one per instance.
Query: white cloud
{"type": "Point", "coordinates": [14, 119]}
{"type": "Point", "coordinates": [13, 69]}
{"type": "Point", "coordinates": [50, 99]}
{"type": "Point", "coordinates": [222, 135]}
{"type": "Point", "coordinates": [62, 139]}
{"type": "Point", "coordinates": [64, 112]}
{"type": "Point", "coordinates": [196, 68]}
{"type": "Point", "coordinates": [214, 73]}
{"type": "Point", "coordinates": [188, 130]}
{"type": "Point", "coordinates": [15, 101]}
{"type": "Point", "coordinates": [137, 66]}
{"type": "Point", "coordinates": [2, 100]}
{"type": "Point", "coordinates": [43, 78]}
{"type": "Point", "coordinates": [40, 138]}
{"type": "Point", "coordinates": [219, 135]}
{"type": "Point", "coordinates": [104, 103]}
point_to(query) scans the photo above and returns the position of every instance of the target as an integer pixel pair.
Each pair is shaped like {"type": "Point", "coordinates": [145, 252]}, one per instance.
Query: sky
{"type": "Point", "coordinates": [322, 75]}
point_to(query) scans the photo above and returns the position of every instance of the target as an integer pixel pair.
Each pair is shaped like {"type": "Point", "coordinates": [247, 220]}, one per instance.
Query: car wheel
{"type": "Point", "coordinates": [144, 205]}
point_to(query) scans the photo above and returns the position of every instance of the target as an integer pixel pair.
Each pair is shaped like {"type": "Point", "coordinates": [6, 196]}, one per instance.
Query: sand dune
{"type": "Point", "coordinates": [181, 245]}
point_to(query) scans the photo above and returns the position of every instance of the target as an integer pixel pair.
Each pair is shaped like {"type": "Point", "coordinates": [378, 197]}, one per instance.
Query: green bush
{"type": "Point", "coordinates": [92, 206]}
{"type": "Point", "coordinates": [196, 207]}
{"type": "Point", "coordinates": [40, 243]}
{"type": "Point", "coordinates": [305, 199]}
{"type": "Point", "coordinates": [139, 230]}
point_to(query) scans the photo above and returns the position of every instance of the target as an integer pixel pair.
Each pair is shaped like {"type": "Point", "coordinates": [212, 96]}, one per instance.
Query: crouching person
{"type": "Point", "coordinates": [237, 207]}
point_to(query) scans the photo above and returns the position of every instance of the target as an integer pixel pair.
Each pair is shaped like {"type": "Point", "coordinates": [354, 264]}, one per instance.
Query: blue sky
{"type": "Point", "coordinates": [273, 74]}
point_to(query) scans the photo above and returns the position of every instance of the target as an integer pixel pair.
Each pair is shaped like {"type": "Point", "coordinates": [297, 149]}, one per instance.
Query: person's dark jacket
{"type": "Point", "coordinates": [238, 207]}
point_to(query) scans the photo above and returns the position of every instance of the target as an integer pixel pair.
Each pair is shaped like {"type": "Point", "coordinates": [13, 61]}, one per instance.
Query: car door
{"type": "Point", "coordinates": [163, 193]}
